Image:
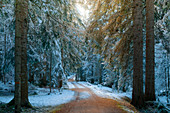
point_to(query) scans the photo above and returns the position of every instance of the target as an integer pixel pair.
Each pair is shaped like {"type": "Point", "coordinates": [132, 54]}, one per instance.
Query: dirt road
{"type": "Point", "coordinates": [93, 104]}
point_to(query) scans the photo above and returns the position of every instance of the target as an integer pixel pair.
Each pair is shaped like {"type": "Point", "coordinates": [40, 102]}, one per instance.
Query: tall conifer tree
{"type": "Point", "coordinates": [150, 72]}
{"type": "Point", "coordinates": [21, 81]}
{"type": "Point", "coordinates": [137, 94]}
{"type": "Point", "coordinates": [24, 77]}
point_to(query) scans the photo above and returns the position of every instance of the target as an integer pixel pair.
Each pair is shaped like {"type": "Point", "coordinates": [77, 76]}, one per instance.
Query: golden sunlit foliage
{"type": "Point", "coordinates": [111, 27]}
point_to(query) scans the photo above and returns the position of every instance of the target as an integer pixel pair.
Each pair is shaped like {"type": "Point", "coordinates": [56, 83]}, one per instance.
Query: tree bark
{"type": "Point", "coordinates": [50, 68]}
{"type": "Point", "coordinates": [137, 94]}
{"type": "Point", "coordinates": [24, 77]}
{"type": "Point", "coordinates": [4, 59]}
{"type": "Point", "coordinates": [62, 55]}
{"type": "Point", "coordinates": [92, 78]}
{"type": "Point", "coordinates": [118, 74]}
{"type": "Point", "coordinates": [165, 80]}
{"type": "Point", "coordinates": [150, 72]}
{"type": "Point", "coordinates": [19, 31]}
{"type": "Point", "coordinates": [100, 72]}
{"type": "Point", "coordinates": [44, 77]}
{"type": "Point", "coordinates": [168, 85]}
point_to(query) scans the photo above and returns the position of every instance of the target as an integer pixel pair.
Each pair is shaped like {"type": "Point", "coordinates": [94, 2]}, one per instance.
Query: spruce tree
{"type": "Point", "coordinates": [137, 94]}
{"type": "Point", "coordinates": [150, 72]}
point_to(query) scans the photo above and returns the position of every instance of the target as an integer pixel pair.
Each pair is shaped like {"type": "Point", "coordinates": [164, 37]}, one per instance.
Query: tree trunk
{"type": "Point", "coordinates": [62, 55]}
{"type": "Point", "coordinates": [24, 77]}
{"type": "Point", "coordinates": [50, 69]}
{"type": "Point", "coordinates": [92, 77]}
{"type": "Point", "coordinates": [117, 76]}
{"type": "Point", "coordinates": [30, 76]}
{"type": "Point", "coordinates": [1, 59]}
{"type": "Point", "coordinates": [150, 72]}
{"type": "Point", "coordinates": [40, 76]}
{"type": "Point", "coordinates": [100, 72]}
{"type": "Point", "coordinates": [168, 86]}
{"type": "Point", "coordinates": [4, 59]}
{"type": "Point", "coordinates": [137, 94]}
{"type": "Point", "coordinates": [21, 12]}
{"type": "Point", "coordinates": [44, 80]}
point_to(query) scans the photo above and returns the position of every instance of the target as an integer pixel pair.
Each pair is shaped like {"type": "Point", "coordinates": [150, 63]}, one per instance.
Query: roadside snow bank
{"type": "Point", "coordinates": [8, 87]}
{"type": "Point", "coordinates": [6, 99]}
{"type": "Point", "coordinates": [106, 92]}
{"type": "Point", "coordinates": [52, 99]}
{"type": "Point", "coordinates": [43, 99]}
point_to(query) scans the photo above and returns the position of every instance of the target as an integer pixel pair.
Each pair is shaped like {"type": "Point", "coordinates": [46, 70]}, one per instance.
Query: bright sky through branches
{"type": "Point", "coordinates": [83, 10]}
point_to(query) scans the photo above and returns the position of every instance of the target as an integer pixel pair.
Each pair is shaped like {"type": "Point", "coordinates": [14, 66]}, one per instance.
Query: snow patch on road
{"type": "Point", "coordinates": [70, 85]}
{"type": "Point", "coordinates": [84, 95]}
{"type": "Point", "coordinates": [79, 86]}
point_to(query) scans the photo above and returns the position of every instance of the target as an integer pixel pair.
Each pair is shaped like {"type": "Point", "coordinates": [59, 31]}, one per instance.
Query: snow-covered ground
{"type": "Point", "coordinates": [70, 85]}
{"type": "Point", "coordinates": [43, 98]}
{"type": "Point", "coordinates": [163, 100]}
{"type": "Point", "coordinates": [52, 99]}
{"type": "Point", "coordinates": [79, 86]}
{"type": "Point", "coordinates": [84, 95]}
{"type": "Point", "coordinates": [106, 92]}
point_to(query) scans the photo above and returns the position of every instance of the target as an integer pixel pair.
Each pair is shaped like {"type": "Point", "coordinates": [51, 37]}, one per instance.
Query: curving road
{"type": "Point", "coordinates": [92, 104]}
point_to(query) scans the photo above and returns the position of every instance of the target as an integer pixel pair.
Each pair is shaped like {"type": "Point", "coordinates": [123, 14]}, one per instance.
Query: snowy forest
{"type": "Point", "coordinates": [60, 53]}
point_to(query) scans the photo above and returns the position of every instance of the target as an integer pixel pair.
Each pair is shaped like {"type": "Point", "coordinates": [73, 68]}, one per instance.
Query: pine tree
{"type": "Point", "coordinates": [150, 72]}
{"type": "Point", "coordinates": [137, 94]}
{"type": "Point", "coordinates": [21, 80]}
{"type": "Point", "coordinates": [4, 69]}
{"type": "Point", "coordinates": [50, 68]}
{"type": "Point", "coordinates": [24, 78]}
{"type": "Point", "coordinates": [18, 35]}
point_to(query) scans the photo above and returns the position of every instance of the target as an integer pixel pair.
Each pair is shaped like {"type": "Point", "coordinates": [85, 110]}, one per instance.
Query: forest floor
{"type": "Point", "coordinates": [93, 104]}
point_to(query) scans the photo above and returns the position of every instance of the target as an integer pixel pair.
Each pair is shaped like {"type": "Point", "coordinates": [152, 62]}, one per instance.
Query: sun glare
{"type": "Point", "coordinates": [84, 13]}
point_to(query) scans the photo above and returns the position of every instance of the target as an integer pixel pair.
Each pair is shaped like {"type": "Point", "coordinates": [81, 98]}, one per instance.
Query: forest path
{"type": "Point", "coordinates": [92, 104]}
